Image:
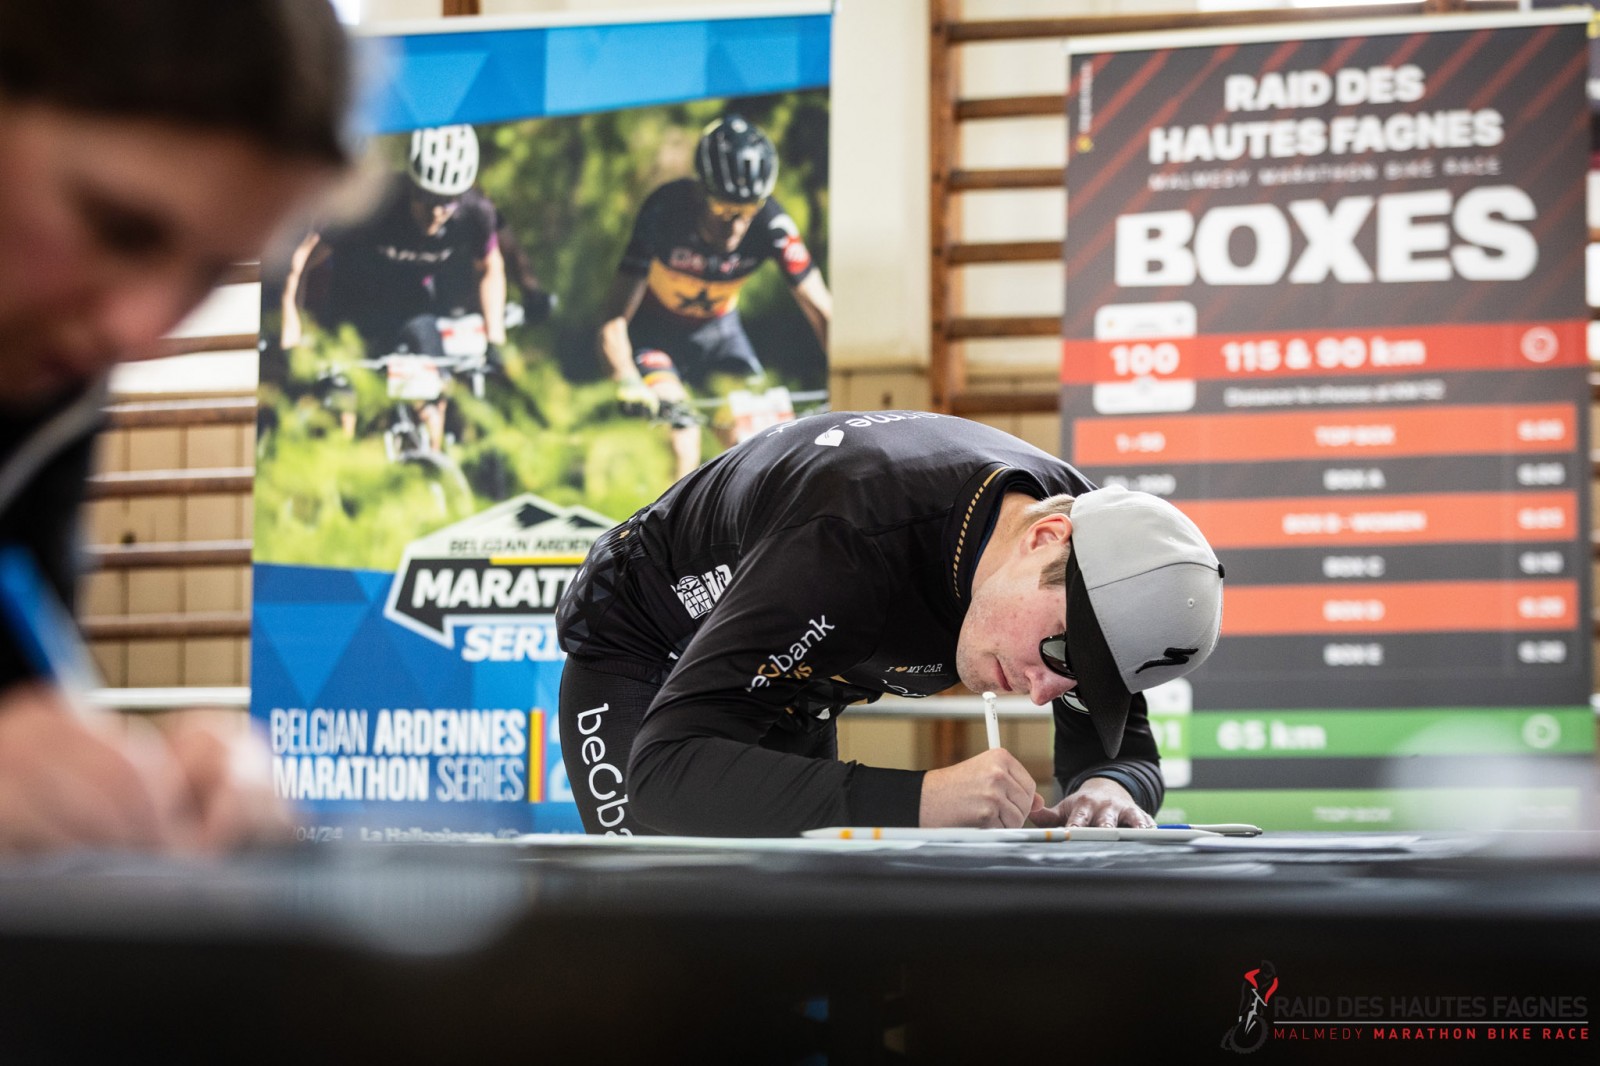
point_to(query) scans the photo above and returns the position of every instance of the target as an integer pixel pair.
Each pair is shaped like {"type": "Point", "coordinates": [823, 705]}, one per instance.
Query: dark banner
{"type": "Point", "coordinates": [1325, 291]}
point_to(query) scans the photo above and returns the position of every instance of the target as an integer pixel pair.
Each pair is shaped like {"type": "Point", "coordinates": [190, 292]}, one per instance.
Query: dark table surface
{"type": "Point", "coordinates": [1437, 948]}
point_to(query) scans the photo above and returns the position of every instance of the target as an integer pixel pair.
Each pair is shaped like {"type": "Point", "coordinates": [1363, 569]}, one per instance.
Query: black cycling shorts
{"type": "Point", "coordinates": [698, 349]}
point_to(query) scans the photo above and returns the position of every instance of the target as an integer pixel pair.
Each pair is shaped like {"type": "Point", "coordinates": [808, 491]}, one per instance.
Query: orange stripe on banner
{"type": "Point", "coordinates": [1342, 435]}
{"type": "Point", "coordinates": [536, 756]}
{"type": "Point", "coordinates": [1427, 518]}
{"type": "Point", "coordinates": [1262, 358]}
{"type": "Point", "coordinates": [1401, 607]}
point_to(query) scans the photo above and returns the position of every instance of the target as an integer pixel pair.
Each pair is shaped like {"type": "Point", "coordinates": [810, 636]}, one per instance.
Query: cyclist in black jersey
{"type": "Point", "coordinates": [714, 638]}
{"type": "Point", "coordinates": [429, 250]}
{"type": "Point", "coordinates": [429, 247]}
{"type": "Point", "coordinates": [671, 316]}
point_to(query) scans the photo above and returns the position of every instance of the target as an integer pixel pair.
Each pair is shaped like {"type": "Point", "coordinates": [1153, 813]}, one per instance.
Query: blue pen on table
{"type": "Point", "coordinates": [1229, 829]}
{"type": "Point", "coordinates": [42, 629]}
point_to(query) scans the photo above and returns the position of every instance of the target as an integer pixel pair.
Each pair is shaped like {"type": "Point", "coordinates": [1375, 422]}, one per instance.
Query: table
{"type": "Point", "coordinates": [557, 952]}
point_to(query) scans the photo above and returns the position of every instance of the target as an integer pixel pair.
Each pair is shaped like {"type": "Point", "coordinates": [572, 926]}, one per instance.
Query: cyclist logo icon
{"type": "Point", "coordinates": [1254, 1023]}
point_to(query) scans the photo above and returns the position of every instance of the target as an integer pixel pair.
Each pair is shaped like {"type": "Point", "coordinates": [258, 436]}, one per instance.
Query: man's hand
{"type": "Point", "coordinates": [68, 781]}
{"type": "Point", "coordinates": [1099, 802]}
{"type": "Point", "coordinates": [71, 781]}
{"type": "Point", "coordinates": [988, 791]}
{"type": "Point", "coordinates": [228, 771]}
{"type": "Point", "coordinates": [636, 399]}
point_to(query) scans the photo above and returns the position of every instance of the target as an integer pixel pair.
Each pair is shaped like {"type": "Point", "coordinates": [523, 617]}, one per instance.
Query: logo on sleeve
{"type": "Point", "coordinates": [790, 662]}
{"type": "Point", "coordinates": [796, 256]}
{"type": "Point", "coordinates": [699, 593]}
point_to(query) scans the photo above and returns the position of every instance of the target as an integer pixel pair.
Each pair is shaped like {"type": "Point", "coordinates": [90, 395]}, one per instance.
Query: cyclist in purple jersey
{"type": "Point", "coordinates": [671, 317]}
{"type": "Point", "coordinates": [429, 249]}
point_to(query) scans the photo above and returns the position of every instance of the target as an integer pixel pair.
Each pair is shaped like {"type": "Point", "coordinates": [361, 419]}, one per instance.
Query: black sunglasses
{"type": "Point", "coordinates": [1053, 652]}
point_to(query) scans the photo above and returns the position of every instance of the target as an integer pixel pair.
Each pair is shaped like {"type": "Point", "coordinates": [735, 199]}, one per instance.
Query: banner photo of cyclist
{"type": "Point", "coordinates": [572, 277]}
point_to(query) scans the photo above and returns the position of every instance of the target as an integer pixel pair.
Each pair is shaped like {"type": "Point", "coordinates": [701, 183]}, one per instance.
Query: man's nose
{"type": "Point", "coordinates": [132, 314]}
{"type": "Point", "coordinates": [1045, 685]}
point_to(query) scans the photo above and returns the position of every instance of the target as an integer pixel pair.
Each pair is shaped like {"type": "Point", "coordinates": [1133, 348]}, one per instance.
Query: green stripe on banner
{"type": "Point", "coordinates": [1390, 731]}
{"type": "Point", "coordinates": [1349, 810]}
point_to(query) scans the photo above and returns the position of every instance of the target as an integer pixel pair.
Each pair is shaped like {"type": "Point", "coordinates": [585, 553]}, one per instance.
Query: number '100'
{"type": "Point", "coordinates": [1143, 360]}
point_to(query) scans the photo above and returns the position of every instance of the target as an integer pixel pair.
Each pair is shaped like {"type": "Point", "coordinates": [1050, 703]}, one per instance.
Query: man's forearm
{"type": "Point", "coordinates": [492, 297]}
{"type": "Point", "coordinates": [713, 786]}
{"type": "Point", "coordinates": [816, 303]}
{"type": "Point", "coordinates": [616, 349]}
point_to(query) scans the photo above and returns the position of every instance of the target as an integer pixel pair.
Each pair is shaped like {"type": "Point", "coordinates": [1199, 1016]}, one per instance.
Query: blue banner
{"type": "Point", "coordinates": [494, 76]}
{"type": "Point", "coordinates": [438, 444]}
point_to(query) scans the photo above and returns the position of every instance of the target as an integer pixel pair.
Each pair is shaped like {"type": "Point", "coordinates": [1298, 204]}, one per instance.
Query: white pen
{"type": "Point", "coordinates": [1006, 836]}
{"type": "Point", "coordinates": [991, 720]}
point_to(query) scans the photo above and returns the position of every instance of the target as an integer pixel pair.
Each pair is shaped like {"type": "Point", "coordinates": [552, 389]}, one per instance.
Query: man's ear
{"type": "Point", "coordinates": [1051, 531]}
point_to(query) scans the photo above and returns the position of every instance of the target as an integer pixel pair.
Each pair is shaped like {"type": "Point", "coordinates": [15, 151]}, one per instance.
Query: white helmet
{"type": "Point", "coordinates": [444, 159]}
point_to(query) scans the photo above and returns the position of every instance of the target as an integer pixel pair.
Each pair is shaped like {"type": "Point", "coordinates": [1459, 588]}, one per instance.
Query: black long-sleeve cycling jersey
{"type": "Point", "coordinates": [693, 278]}
{"type": "Point", "coordinates": [820, 564]}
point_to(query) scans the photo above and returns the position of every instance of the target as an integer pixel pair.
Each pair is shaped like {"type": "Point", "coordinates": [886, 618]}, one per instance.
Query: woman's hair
{"type": "Point", "coordinates": [275, 71]}
{"type": "Point", "coordinates": [1056, 572]}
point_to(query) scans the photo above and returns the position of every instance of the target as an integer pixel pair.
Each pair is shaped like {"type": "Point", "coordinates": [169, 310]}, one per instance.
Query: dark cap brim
{"type": "Point", "coordinates": [1100, 686]}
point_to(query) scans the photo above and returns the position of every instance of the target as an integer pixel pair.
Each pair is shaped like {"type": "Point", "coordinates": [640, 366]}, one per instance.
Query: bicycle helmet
{"type": "Point", "coordinates": [735, 161]}
{"type": "Point", "coordinates": [444, 159]}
